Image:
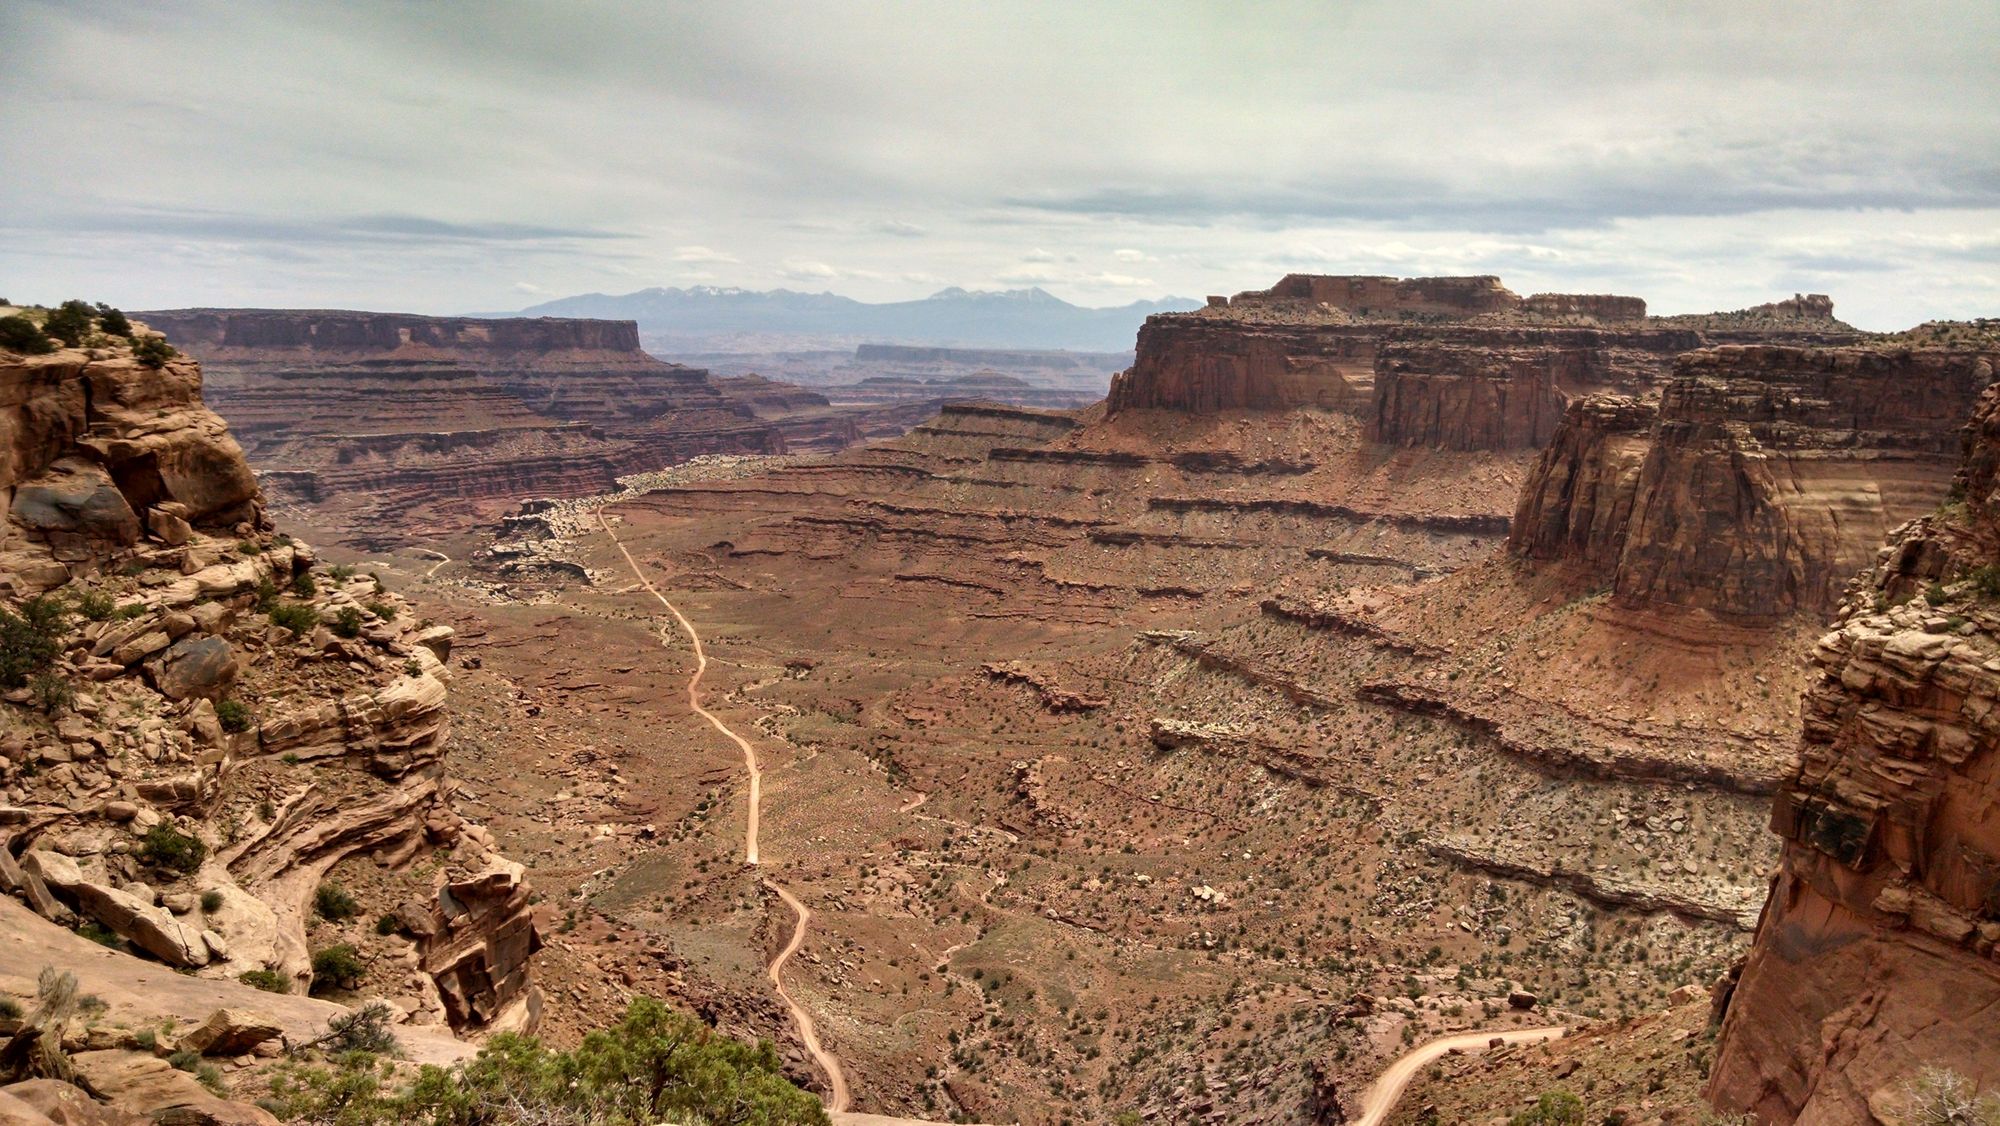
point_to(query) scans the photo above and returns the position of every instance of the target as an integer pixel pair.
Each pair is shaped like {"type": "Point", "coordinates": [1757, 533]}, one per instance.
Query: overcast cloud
{"type": "Point", "coordinates": [455, 157]}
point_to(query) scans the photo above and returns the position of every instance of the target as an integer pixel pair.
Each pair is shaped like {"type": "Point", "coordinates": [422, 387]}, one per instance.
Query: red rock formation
{"type": "Point", "coordinates": [125, 487]}
{"type": "Point", "coordinates": [1769, 475]}
{"type": "Point", "coordinates": [1879, 950]}
{"type": "Point", "coordinates": [1385, 295]}
{"type": "Point", "coordinates": [96, 447]}
{"type": "Point", "coordinates": [253, 335]}
{"type": "Point", "coordinates": [1465, 388]}
{"type": "Point", "coordinates": [379, 411]}
{"type": "Point", "coordinates": [1596, 306]}
{"type": "Point", "coordinates": [1202, 364]}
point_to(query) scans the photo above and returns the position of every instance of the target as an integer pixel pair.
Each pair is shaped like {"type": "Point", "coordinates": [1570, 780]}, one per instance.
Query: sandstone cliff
{"type": "Point", "coordinates": [96, 449]}
{"type": "Point", "coordinates": [1879, 949]}
{"type": "Point", "coordinates": [1455, 363]}
{"type": "Point", "coordinates": [1767, 476]}
{"type": "Point", "coordinates": [1496, 388]}
{"type": "Point", "coordinates": [215, 725]}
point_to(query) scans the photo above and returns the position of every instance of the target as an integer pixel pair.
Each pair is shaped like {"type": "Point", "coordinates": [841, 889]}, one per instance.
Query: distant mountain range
{"type": "Point", "coordinates": [1015, 318]}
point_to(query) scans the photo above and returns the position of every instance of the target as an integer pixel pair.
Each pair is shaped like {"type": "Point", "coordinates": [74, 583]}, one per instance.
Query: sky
{"type": "Point", "coordinates": [442, 158]}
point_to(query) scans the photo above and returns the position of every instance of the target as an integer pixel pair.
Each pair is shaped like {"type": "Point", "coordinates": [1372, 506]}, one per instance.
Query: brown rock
{"type": "Point", "coordinates": [197, 667]}
{"type": "Point", "coordinates": [230, 1032]}
{"type": "Point", "coordinates": [1868, 963]}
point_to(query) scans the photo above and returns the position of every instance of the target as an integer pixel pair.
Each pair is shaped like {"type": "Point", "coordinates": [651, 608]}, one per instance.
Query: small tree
{"type": "Point", "coordinates": [166, 847]}
{"type": "Point", "coordinates": [1939, 1096]}
{"type": "Point", "coordinates": [19, 334]}
{"type": "Point", "coordinates": [153, 351]}
{"type": "Point", "coordinates": [1554, 1108]}
{"type": "Point", "coordinates": [113, 321]}
{"type": "Point", "coordinates": [70, 322]}
{"type": "Point", "coordinates": [30, 638]}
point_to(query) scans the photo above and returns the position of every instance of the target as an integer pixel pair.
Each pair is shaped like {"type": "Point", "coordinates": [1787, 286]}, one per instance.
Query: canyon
{"type": "Point", "coordinates": [1383, 662]}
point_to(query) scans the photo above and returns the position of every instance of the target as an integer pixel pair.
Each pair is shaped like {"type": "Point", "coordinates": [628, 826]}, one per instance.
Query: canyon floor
{"type": "Point", "coordinates": [1087, 819]}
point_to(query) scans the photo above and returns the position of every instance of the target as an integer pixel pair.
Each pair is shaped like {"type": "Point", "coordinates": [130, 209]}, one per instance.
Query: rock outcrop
{"type": "Point", "coordinates": [1203, 364]}
{"type": "Point", "coordinates": [1506, 388]}
{"type": "Point", "coordinates": [1768, 476]}
{"type": "Point", "coordinates": [216, 723]}
{"type": "Point", "coordinates": [95, 448]}
{"type": "Point", "coordinates": [1455, 363]}
{"type": "Point", "coordinates": [1878, 953]}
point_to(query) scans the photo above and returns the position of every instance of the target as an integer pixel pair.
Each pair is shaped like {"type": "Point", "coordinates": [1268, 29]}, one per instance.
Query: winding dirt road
{"type": "Point", "coordinates": [836, 1079]}
{"type": "Point", "coordinates": [1382, 1095]}
{"type": "Point", "coordinates": [694, 693]}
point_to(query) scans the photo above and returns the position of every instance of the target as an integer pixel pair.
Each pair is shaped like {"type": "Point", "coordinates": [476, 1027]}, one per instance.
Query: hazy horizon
{"type": "Point", "coordinates": [397, 157]}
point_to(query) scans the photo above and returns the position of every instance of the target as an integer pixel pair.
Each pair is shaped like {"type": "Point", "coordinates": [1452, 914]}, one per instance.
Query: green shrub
{"type": "Point", "coordinates": [97, 605]}
{"type": "Point", "coordinates": [30, 639]}
{"type": "Point", "coordinates": [381, 610]}
{"type": "Point", "coordinates": [270, 981]}
{"type": "Point", "coordinates": [112, 321]}
{"type": "Point", "coordinates": [233, 714]}
{"type": "Point", "coordinates": [164, 846]}
{"type": "Point", "coordinates": [387, 925]}
{"type": "Point", "coordinates": [19, 334]}
{"type": "Point", "coordinates": [10, 1009]}
{"type": "Point", "coordinates": [347, 622]}
{"type": "Point", "coordinates": [304, 585]}
{"type": "Point", "coordinates": [1939, 1096]}
{"type": "Point", "coordinates": [53, 692]}
{"type": "Point", "coordinates": [153, 351]}
{"type": "Point", "coordinates": [1986, 580]}
{"type": "Point", "coordinates": [101, 935]}
{"type": "Point", "coordinates": [335, 903]}
{"type": "Point", "coordinates": [340, 572]}
{"type": "Point", "coordinates": [294, 616]}
{"type": "Point", "coordinates": [70, 322]}
{"type": "Point", "coordinates": [186, 1059]}
{"type": "Point", "coordinates": [1934, 594]}
{"type": "Point", "coordinates": [211, 901]}
{"type": "Point", "coordinates": [337, 967]}
{"type": "Point", "coordinates": [657, 1065]}
{"type": "Point", "coordinates": [1554, 1108]}
{"type": "Point", "coordinates": [249, 547]}
{"type": "Point", "coordinates": [267, 595]}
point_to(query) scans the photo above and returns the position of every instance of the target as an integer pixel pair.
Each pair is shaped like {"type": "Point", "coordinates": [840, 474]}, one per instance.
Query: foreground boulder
{"type": "Point", "coordinates": [230, 1032]}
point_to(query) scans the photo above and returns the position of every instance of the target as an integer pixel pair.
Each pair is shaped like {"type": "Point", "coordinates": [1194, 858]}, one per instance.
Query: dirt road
{"type": "Point", "coordinates": [694, 693]}
{"type": "Point", "coordinates": [836, 1080]}
{"type": "Point", "coordinates": [1381, 1096]}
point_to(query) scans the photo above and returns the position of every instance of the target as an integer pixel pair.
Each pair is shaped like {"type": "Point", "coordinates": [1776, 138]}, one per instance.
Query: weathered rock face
{"type": "Point", "coordinates": [1200, 365]}
{"type": "Point", "coordinates": [261, 334]}
{"type": "Point", "coordinates": [1454, 363]}
{"type": "Point", "coordinates": [1365, 294]}
{"type": "Point", "coordinates": [1595, 306]}
{"type": "Point", "coordinates": [1505, 387]}
{"type": "Point", "coordinates": [93, 444]}
{"type": "Point", "coordinates": [1767, 477]}
{"type": "Point", "coordinates": [1879, 950]}
{"type": "Point", "coordinates": [191, 703]}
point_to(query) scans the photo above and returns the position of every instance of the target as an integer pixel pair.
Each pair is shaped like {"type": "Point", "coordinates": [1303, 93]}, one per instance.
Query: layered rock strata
{"type": "Point", "coordinates": [218, 724]}
{"type": "Point", "coordinates": [1878, 954]}
{"type": "Point", "coordinates": [420, 408]}
{"type": "Point", "coordinates": [98, 450]}
{"type": "Point", "coordinates": [1767, 476]}
{"type": "Point", "coordinates": [1458, 362]}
